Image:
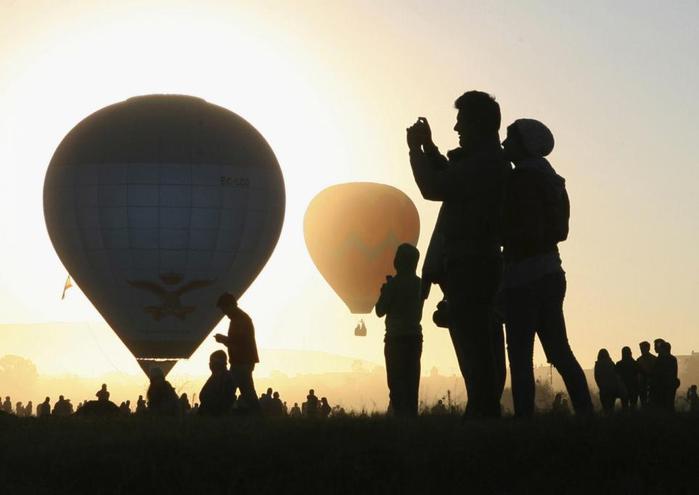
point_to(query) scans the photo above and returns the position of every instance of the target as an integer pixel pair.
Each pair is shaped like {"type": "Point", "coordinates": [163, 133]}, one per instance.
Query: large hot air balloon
{"type": "Point", "coordinates": [352, 232]}
{"type": "Point", "coordinates": [157, 205]}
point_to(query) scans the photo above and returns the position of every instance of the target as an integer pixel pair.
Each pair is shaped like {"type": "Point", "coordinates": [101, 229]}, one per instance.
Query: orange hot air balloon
{"type": "Point", "coordinates": [352, 232]}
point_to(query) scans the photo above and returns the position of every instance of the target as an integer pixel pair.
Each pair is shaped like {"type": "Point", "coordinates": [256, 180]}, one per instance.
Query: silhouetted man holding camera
{"type": "Point", "coordinates": [470, 182]}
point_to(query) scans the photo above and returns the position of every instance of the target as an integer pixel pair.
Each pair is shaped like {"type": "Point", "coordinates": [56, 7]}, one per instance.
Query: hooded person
{"type": "Point", "coordinates": [401, 302]}
{"type": "Point", "coordinates": [535, 220]}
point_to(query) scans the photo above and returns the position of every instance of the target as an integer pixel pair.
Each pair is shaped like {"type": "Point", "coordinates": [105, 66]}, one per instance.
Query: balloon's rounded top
{"type": "Point", "coordinates": [164, 96]}
{"type": "Point", "coordinates": [162, 128]}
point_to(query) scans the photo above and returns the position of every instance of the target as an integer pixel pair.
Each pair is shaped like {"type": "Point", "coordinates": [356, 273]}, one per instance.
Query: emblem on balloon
{"type": "Point", "coordinates": [171, 304]}
{"type": "Point", "coordinates": [157, 205]}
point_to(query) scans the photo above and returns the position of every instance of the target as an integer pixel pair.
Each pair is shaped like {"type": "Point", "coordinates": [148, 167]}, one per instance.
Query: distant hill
{"type": "Point", "coordinates": [91, 349]}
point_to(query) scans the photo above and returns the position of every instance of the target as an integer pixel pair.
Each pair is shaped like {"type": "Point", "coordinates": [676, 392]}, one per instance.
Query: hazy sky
{"type": "Point", "coordinates": [332, 86]}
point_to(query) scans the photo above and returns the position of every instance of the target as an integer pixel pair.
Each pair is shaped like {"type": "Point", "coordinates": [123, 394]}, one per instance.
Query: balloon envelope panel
{"type": "Point", "coordinates": [156, 206]}
{"type": "Point", "coordinates": [352, 232]}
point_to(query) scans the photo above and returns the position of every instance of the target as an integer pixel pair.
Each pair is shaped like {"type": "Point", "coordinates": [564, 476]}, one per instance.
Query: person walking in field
{"type": "Point", "coordinates": [242, 350]}
{"type": "Point", "coordinates": [536, 216]}
{"type": "Point", "coordinates": [401, 303]}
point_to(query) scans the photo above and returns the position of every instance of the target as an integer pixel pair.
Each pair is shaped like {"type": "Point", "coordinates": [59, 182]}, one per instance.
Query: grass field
{"type": "Point", "coordinates": [363, 455]}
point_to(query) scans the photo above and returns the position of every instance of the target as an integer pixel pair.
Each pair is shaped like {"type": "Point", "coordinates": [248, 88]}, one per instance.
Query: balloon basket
{"type": "Point", "coordinates": [165, 365]}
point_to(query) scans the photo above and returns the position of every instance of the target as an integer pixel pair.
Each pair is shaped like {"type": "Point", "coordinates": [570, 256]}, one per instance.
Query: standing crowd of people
{"type": "Point", "coordinates": [231, 374]}
{"type": "Point", "coordinates": [651, 379]}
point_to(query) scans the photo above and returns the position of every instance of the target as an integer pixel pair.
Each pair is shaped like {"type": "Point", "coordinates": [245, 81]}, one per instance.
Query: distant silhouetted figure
{"type": "Point", "coordinates": [276, 407]}
{"type": "Point", "coordinates": [401, 302]}
{"type": "Point", "coordinates": [664, 381]}
{"type": "Point", "coordinates": [325, 408]}
{"type": "Point", "coordinates": [98, 408]}
{"type": "Point", "coordinates": [610, 385]}
{"type": "Point", "coordinates": [311, 404]}
{"type": "Point", "coordinates": [266, 402]}
{"type": "Point", "coordinates": [560, 405]}
{"type": "Point", "coordinates": [470, 183]}
{"type": "Point", "coordinates": [185, 406]}
{"type": "Point", "coordinates": [62, 407]}
{"type": "Point", "coordinates": [242, 350]}
{"type": "Point", "coordinates": [141, 406]}
{"type": "Point", "coordinates": [7, 405]}
{"type": "Point", "coordinates": [295, 411]}
{"type": "Point", "coordinates": [535, 220]}
{"type": "Point", "coordinates": [162, 398]}
{"type": "Point", "coordinates": [44, 409]}
{"type": "Point", "coordinates": [218, 393]}
{"type": "Point", "coordinates": [29, 409]}
{"type": "Point", "coordinates": [125, 408]}
{"type": "Point", "coordinates": [439, 408]}
{"type": "Point", "coordinates": [692, 399]}
{"type": "Point", "coordinates": [646, 362]}
{"type": "Point", "coordinates": [628, 370]}
{"type": "Point", "coordinates": [19, 409]}
{"type": "Point", "coordinates": [102, 394]}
